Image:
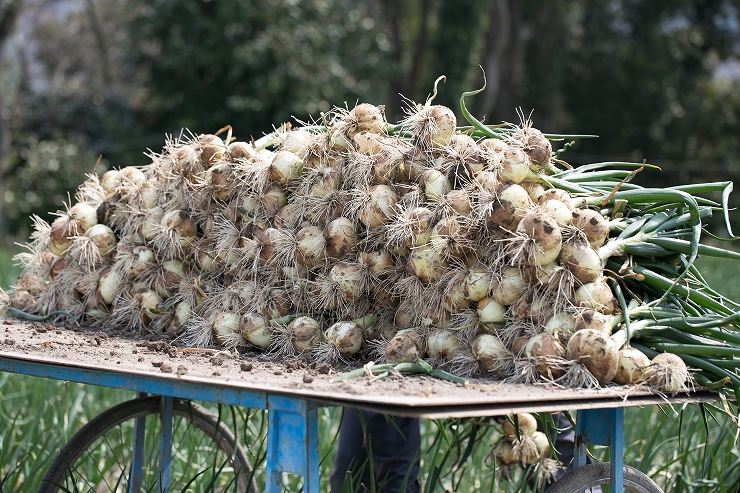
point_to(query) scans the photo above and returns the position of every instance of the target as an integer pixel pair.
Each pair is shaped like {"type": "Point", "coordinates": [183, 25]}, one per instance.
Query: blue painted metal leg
{"type": "Point", "coordinates": [137, 455]}
{"type": "Point", "coordinates": [292, 442]}
{"type": "Point", "coordinates": [165, 443]}
{"type": "Point", "coordinates": [602, 427]}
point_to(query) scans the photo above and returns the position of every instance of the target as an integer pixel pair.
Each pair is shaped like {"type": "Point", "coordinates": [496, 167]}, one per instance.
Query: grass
{"type": "Point", "coordinates": [686, 448]}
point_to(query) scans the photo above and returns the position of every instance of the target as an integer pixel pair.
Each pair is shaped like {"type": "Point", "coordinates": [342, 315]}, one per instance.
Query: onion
{"type": "Point", "coordinates": [522, 424]}
{"type": "Point", "coordinates": [555, 194]}
{"type": "Point", "coordinates": [534, 189]}
{"type": "Point", "coordinates": [219, 177]}
{"type": "Point", "coordinates": [109, 284]}
{"type": "Point", "coordinates": [406, 316]}
{"type": "Point", "coordinates": [504, 453]}
{"type": "Point", "coordinates": [562, 214]}
{"type": "Point", "coordinates": [310, 249]}
{"type": "Point", "coordinates": [347, 337]}
{"type": "Point", "coordinates": [443, 345]}
{"type": "Point", "coordinates": [367, 143]}
{"type": "Point", "coordinates": [560, 322]}
{"type": "Point", "coordinates": [632, 366]}
{"type": "Point", "coordinates": [511, 204]}
{"type": "Point", "coordinates": [378, 208]}
{"type": "Point", "coordinates": [491, 314]}
{"type": "Point", "coordinates": [459, 201]}
{"type": "Point", "coordinates": [539, 449]}
{"type": "Point", "coordinates": [351, 279]}
{"type": "Point", "coordinates": [426, 263]}
{"type": "Point", "coordinates": [289, 216]}
{"type": "Point", "coordinates": [132, 176]}
{"type": "Point", "coordinates": [368, 118]}
{"type": "Point", "coordinates": [591, 319]}
{"type": "Point", "coordinates": [212, 149]}
{"type": "Point", "coordinates": [496, 146]}
{"type": "Point", "coordinates": [488, 181]}
{"type": "Point", "coordinates": [225, 325]}
{"type": "Point", "coordinates": [379, 263]}
{"type": "Point", "coordinates": [295, 140]}
{"type": "Point", "coordinates": [182, 225]}
{"type": "Point", "coordinates": [305, 333]}
{"type": "Point", "coordinates": [508, 285]}
{"type": "Point", "coordinates": [340, 238]}
{"type": "Point", "coordinates": [596, 351]}
{"type": "Point", "coordinates": [597, 296]}
{"type": "Point", "coordinates": [147, 300]}
{"type": "Point", "coordinates": [667, 372]}
{"type": "Point", "coordinates": [285, 167]}
{"type": "Point", "coordinates": [278, 304]}
{"type": "Point", "coordinates": [255, 330]}
{"type": "Point", "coordinates": [171, 273]}
{"type": "Point", "coordinates": [435, 184]}
{"type": "Point", "coordinates": [581, 260]}
{"type": "Point", "coordinates": [491, 353]}
{"type": "Point", "coordinates": [110, 180]}
{"type": "Point", "coordinates": [404, 348]}
{"type": "Point", "coordinates": [478, 281]}
{"type": "Point", "coordinates": [83, 216]}
{"type": "Point", "coordinates": [239, 151]}
{"type": "Point", "coordinates": [543, 348]}
{"type": "Point", "coordinates": [514, 166]}
{"type": "Point", "coordinates": [593, 225]}
{"type": "Point", "coordinates": [454, 299]}
{"type": "Point", "coordinates": [103, 237]}
{"type": "Point", "coordinates": [433, 125]}
{"type": "Point", "coordinates": [545, 233]}
{"type": "Point", "coordinates": [60, 235]}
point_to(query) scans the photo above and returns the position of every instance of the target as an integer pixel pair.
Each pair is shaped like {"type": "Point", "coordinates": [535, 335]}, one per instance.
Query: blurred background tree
{"type": "Point", "coordinates": [83, 79]}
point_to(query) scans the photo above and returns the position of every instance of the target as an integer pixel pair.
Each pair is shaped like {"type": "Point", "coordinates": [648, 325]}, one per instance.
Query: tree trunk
{"type": "Point", "coordinates": [8, 15]}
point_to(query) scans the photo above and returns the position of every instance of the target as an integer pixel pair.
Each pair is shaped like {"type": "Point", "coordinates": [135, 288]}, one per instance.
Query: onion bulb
{"type": "Point", "coordinates": [518, 425]}
{"type": "Point", "coordinates": [593, 225]}
{"type": "Point", "coordinates": [255, 330]}
{"type": "Point", "coordinates": [597, 296]}
{"type": "Point", "coordinates": [596, 351]}
{"type": "Point", "coordinates": [632, 366]}
{"type": "Point", "coordinates": [377, 206]}
{"type": "Point", "coordinates": [305, 333]}
{"type": "Point", "coordinates": [346, 337]}
{"type": "Point", "coordinates": [543, 348]}
{"type": "Point", "coordinates": [491, 314]}
{"type": "Point", "coordinates": [491, 353]}
{"type": "Point", "coordinates": [405, 347]}
{"type": "Point", "coordinates": [285, 167]}
{"type": "Point", "coordinates": [426, 263]}
{"type": "Point", "coordinates": [514, 166]}
{"type": "Point", "coordinates": [443, 345]}
{"type": "Point", "coordinates": [508, 286]}
{"type": "Point", "coordinates": [581, 260]}
{"type": "Point", "coordinates": [667, 372]}
{"type": "Point", "coordinates": [310, 248]}
{"type": "Point", "coordinates": [477, 282]}
{"type": "Point", "coordinates": [340, 238]}
{"type": "Point", "coordinates": [511, 204]}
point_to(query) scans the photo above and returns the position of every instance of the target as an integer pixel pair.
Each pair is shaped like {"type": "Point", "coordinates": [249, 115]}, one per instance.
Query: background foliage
{"type": "Point", "coordinates": [656, 80]}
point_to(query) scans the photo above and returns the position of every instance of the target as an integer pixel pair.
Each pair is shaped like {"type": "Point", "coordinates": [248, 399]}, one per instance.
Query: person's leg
{"type": "Point", "coordinates": [396, 449]}
{"type": "Point", "coordinates": [394, 443]}
{"type": "Point", "coordinates": [351, 464]}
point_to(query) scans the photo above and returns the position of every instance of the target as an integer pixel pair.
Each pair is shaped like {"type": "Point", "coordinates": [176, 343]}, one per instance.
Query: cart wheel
{"type": "Point", "coordinates": [99, 456]}
{"type": "Point", "coordinates": [599, 474]}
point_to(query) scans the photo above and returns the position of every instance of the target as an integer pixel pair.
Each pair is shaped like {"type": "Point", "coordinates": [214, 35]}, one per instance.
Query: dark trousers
{"type": "Point", "coordinates": [394, 444]}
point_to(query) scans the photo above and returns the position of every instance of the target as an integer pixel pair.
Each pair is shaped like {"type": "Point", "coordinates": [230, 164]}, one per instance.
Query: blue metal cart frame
{"type": "Point", "coordinates": [292, 439]}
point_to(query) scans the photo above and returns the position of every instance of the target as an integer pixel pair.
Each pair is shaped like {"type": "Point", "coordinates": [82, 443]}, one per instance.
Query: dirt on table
{"type": "Point", "coordinates": [165, 357]}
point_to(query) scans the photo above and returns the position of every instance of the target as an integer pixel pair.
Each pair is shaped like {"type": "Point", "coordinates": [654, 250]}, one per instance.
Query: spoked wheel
{"type": "Point", "coordinates": [588, 477]}
{"type": "Point", "coordinates": [101, 456]}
